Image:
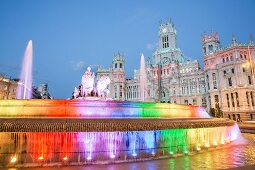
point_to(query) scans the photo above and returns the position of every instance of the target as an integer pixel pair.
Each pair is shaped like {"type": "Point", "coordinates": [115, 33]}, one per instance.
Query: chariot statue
{"type": "Point", "coordinates": [88, 87]}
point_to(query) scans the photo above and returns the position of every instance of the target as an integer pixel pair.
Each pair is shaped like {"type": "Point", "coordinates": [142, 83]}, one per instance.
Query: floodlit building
{"type": "Point", "coordinates": [226, 83]}
{"type": "Point", "coordinates": [8, 87]}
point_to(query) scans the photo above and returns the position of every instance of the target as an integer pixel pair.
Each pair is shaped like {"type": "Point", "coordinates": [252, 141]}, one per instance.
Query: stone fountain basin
{"type": "Point", "coordinates": [107, 124]}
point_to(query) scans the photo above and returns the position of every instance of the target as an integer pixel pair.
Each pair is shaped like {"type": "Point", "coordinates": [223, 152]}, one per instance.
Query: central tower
{"type": "Point", "coordinates": [167, 51]}
{"type": "Point", "coordinates": [167, 35]}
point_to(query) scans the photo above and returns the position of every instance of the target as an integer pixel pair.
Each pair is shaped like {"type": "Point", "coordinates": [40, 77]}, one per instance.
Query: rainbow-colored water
{"type": "Point", "coordinates": [97, 108]}
{"type": "Point", "coordinates": [81, 147]}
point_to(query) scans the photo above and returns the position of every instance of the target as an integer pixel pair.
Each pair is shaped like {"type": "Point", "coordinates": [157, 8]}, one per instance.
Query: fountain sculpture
{"type": "Point", "coordinates": [143, 79]}
{"type": "Point", "coordinates": [24, 90]}
{"type": "Point", "coordinates": [75, 132]}
{"type": "Point", "coordinates": [87, 89]}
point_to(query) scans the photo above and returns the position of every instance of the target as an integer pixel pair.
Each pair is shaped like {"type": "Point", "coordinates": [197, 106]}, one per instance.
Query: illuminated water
{"type": "Point", "coordinates": [29, 138]}
{"type": "Point", "coordinates": [24, 90]}
{"type": "Point", "coordinates": [143, 78]}
{"type": "Point", "coordinates": [242, 156]}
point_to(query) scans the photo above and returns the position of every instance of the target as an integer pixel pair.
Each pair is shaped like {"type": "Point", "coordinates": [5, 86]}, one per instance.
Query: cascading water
{"type": "Point", "coordinates": [143, 78]}
{"type": "Point", "coordinates": [24, 90]}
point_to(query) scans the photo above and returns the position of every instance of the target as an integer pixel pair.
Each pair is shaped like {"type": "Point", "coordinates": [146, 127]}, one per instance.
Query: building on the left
{"type": "Point", "coordinates": [8, 87]}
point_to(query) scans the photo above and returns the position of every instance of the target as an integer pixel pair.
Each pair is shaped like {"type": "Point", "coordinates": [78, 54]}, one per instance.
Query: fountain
{"type": "Point", "coordinates": [88, 90]}
{"type": "Point", "coordinates": [89, 129]}
{"type": "Point", "coordinates": [143, 79]}
{"type": "Point", "coordinates": [24, 90]}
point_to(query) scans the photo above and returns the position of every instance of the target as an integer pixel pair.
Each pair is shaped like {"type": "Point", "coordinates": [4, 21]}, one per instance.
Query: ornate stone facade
{"type": "Point", "coordinates": [8, 87]}
{"type": "Point", "coordinates": [227, 81]}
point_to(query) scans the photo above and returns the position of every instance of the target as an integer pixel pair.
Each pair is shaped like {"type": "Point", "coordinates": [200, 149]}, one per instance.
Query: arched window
{"type": "Point", "coordinates": [210, 48]}
{"type": "Point", "coordinates": [204, 50]}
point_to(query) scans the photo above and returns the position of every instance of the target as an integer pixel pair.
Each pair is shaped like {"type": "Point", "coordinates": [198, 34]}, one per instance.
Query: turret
{"type": "Point", "coordinates": [167, 35]}
{"type": "Point", "coordinates": [118, 62]}
{"type": "Point", "coordinates": [210, 43]}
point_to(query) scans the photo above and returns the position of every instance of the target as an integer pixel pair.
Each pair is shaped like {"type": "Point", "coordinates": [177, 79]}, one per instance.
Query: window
{"type": "Point", "coordinates": [204, 102]}
{"type": "Point", "coordinates": [214, 85]}
{"type": "Point", "coordinates": [163, 94]}
{"type": "Point", "coordinates": [252, 101]}
{"type": "Point", "coordinates": [208, 85]}
{"type": "Point", "coordinates": [210, 48]}
{"type": "Point", "coordinates": [204, 50]}
{"type": "Point", "coordinates": [237, 100]}
{"type": "Point", "coordinates": [115, 65]}
{"type": "Point", "coordinates": [186, 102]}
{"type": "Point", "coordinates": [227, 59]}
{"type": "Point", "coordinates": [120, 65]}
{"type": "Point", "coordinates": [229, 81]}
{"type": "Point", "coordinates": [232, 98]}
{"type": "Point", "coordinates": [247, 98]}
{"type": "Point", "coordinates": [115, 91]}
{"type": "Point", "coordinates": [214, 76]}
{"type": "Point", "coordinates": [249, 80]}
{"type": "Point", "coordinates": [121, 91]}
{"type": "Point", "coordinates": [243, 69]}
{"type": "Point", "coordinates": [233, 70]}
{"type": "Point", "coordinates": [228, 100]}
{"type": "Point", "coordinates": [223, 60]}
{"type": "Point", "coordinates": [224, 72]}
{"type": "Point", "coordinates": [241, 56]}
{"type": "Point", "coordinates": [231, 58]}
{"type": "Point", "coordinates": [216, 100]}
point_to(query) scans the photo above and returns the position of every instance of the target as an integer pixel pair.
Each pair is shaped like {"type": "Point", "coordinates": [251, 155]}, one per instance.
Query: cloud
{"type": "Point", "coordinates": [77, 65]}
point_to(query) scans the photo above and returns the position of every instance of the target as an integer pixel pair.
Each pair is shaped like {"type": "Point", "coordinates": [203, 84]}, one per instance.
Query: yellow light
{"type": "Point", "coordinates": [198, 148]}
{"type": "Point", "coordinates": [13, 159]}
{"type": "Point", "coordinates": [65, 158]}
{"type": "Point", "coordinates": [207, 145]}
{"type": "Point", "coordinates": [40, 158]}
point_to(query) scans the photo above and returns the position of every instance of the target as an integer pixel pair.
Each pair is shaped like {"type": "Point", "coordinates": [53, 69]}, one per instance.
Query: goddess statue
{"type": "Point", "coordinates": [87, 82]}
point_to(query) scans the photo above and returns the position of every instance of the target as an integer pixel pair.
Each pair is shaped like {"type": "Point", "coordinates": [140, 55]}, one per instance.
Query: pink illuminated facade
{"type": "Point", "coordinates": [229, 75]}
{"type": "Point", "coordinates": [227, 81]}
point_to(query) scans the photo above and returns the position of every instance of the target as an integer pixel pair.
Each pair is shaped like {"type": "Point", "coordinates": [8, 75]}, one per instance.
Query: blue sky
{"type": "Point", "coordinates": [69, 35]}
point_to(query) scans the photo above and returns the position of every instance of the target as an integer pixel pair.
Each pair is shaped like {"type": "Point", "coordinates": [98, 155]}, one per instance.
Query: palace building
{"type": "Point", "coordinates": [225, 84]}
